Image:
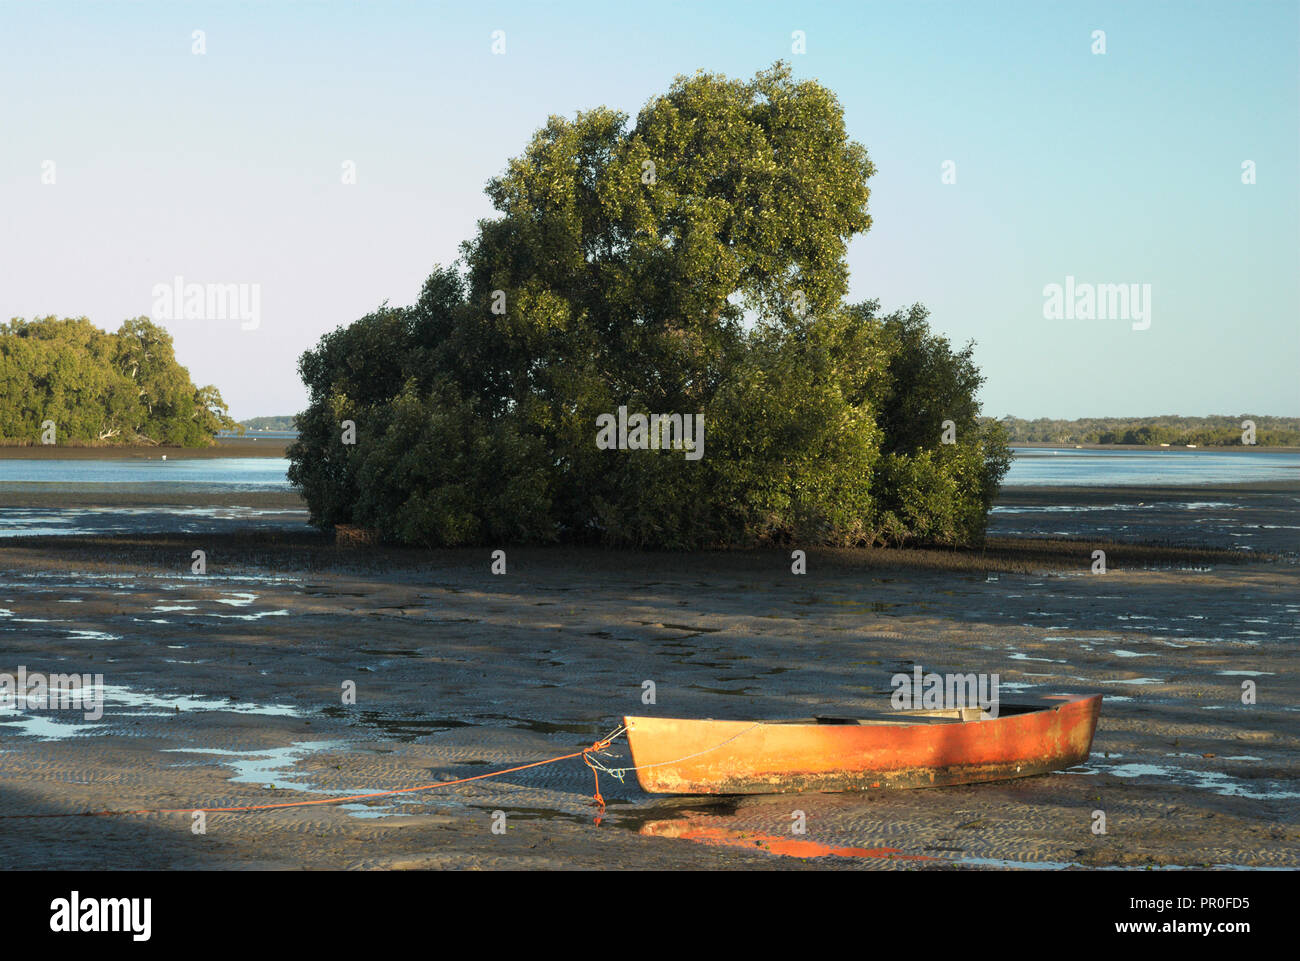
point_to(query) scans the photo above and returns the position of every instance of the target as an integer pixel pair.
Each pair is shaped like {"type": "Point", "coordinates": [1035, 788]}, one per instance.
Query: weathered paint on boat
{"type": "Point", "coordinates": [903, 749]}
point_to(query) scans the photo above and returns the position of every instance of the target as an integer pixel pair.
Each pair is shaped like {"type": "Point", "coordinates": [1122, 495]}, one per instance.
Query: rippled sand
{"type": "Point", "coordinates": [225, 689]}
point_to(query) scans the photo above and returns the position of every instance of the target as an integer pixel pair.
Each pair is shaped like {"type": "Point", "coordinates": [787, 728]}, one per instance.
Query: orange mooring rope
{"type": "Point", "coordinates": [596, 748]}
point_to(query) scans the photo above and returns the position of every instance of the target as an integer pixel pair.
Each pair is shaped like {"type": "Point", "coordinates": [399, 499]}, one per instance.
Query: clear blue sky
{"type": "Point", "coordinates": [1119, 168]}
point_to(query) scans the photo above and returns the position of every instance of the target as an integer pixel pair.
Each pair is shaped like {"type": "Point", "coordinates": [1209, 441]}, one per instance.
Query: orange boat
{"type": "Point", "coordinates": [894, 749]}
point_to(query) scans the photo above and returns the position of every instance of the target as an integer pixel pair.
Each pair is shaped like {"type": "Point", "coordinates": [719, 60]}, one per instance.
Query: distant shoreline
{"type": "Point", "coordinates": [225, 447]}
{"type": "Point", "coordinates": [278, 447]}
{"type": "Point", "coordinates": [1154, 448]}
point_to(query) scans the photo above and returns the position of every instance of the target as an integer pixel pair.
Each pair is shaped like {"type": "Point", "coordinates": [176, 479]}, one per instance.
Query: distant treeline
{"type": "Point", "coordinates": [67, 381]}
{"type": "Point", "coordinates": [1216, 431]}
{"type": "Point", "coordinates": [269, 423]}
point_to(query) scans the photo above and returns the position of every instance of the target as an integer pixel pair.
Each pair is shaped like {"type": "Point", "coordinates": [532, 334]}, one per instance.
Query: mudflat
{"type": "Point", "coordinates": [226, 688]}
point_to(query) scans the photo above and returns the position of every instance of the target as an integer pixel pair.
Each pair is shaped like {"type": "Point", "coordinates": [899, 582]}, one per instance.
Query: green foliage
{"type": "Point", "coordinates": [440, 474]}
{"type": "Point", "coordinates": [692, 262]}
{"type": "Point", "coordinates": [101, 388]}
{"type": "Point", "coordinates": [942, 465]}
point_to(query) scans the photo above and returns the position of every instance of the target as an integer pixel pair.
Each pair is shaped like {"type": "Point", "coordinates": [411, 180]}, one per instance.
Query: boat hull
{"type": "Point", "coordinates": [684, 756]}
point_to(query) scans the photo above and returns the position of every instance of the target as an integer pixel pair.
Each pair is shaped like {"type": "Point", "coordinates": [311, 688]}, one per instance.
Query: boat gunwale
{"type": "Point", "coordinates": [1054, 702]}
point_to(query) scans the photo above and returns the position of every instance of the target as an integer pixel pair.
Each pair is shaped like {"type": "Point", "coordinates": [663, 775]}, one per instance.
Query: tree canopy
{"type": "Point", "coordinates": [689, 263]}
{"type": "Point", "coordinates": [97, 387]}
